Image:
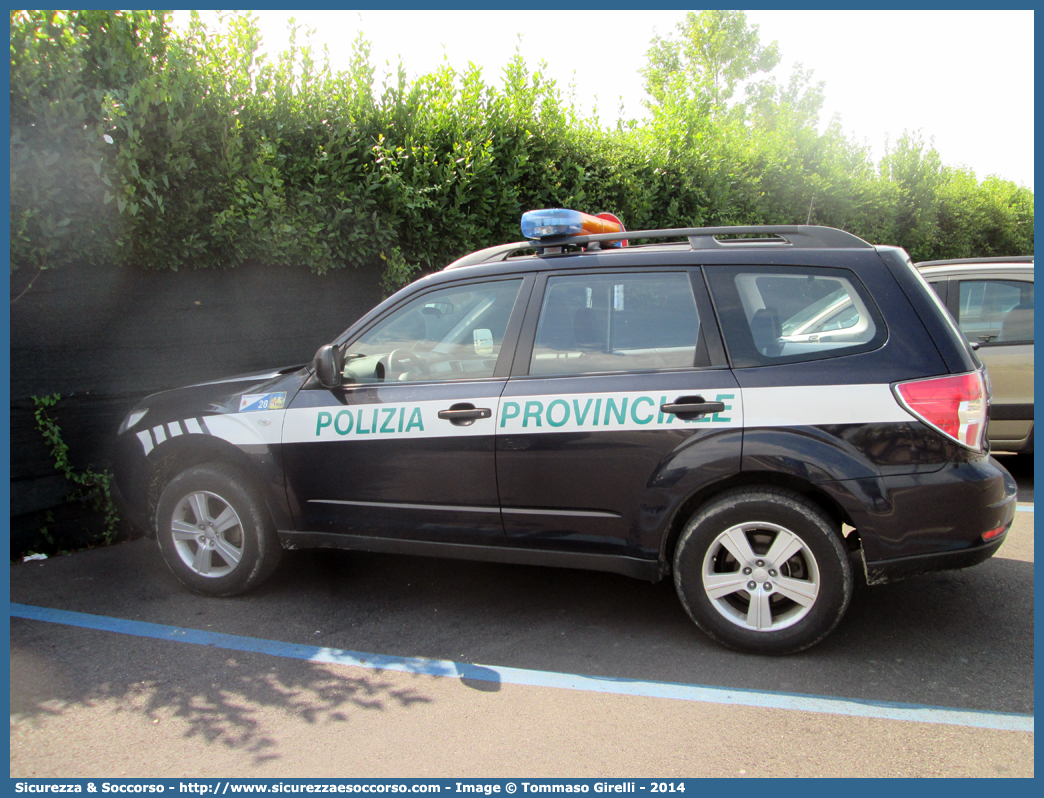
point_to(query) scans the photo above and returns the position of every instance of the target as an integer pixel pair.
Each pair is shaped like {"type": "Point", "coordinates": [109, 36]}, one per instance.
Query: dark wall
{"type": "Point", "coordinates": [103, 337]}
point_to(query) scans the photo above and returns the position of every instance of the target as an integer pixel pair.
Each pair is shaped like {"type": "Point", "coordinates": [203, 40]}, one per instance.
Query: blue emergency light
{"type": "Point", "coordinates": [557, 222]}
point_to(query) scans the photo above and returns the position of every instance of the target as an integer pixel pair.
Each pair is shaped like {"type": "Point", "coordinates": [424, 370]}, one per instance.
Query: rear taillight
{"type": "Point", "coordinates": [954, 405]}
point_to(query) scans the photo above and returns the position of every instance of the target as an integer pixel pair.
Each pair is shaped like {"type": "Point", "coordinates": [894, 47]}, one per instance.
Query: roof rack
{"type": "Point", "coordinates": [794, 235]}
{"type": "Point", "coordinates": [800, 235]}
{"type": "Point", "coordinates": [489, 254]}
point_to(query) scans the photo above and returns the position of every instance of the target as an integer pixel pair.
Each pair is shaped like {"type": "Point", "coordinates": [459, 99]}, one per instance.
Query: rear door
{"type": "Point", "coordinates": [405, 448]}
{"type": "Point", "coordinates": [620, 403]}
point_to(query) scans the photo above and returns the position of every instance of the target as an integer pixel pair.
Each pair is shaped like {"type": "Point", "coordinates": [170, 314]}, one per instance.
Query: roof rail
{"type": "Point", "coordinates": [489, 254]}
{"type": "Point", "coordinates": [958, 261]}
{"type": "Point", "coordinates": [794, 235]}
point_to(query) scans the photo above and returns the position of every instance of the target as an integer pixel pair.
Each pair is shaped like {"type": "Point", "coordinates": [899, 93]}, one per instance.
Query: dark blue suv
{"type": "Point", "coordinates": [756, 412]}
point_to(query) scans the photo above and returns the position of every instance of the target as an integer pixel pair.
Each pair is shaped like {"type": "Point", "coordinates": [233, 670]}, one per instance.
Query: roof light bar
{"type": "Point", "coordinates": [558, 222]}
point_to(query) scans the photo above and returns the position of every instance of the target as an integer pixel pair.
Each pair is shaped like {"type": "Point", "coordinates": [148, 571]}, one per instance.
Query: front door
{"type": "Point", "coordinates": [405, 449]}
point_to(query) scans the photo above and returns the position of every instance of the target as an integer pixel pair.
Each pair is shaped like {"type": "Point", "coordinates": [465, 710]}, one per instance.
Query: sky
{"type": "Point", "coordinates": [964, 79]}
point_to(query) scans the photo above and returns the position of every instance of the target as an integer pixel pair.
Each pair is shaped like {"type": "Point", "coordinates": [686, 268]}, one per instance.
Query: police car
{"type": "Point", "coordinates": [758, 413]}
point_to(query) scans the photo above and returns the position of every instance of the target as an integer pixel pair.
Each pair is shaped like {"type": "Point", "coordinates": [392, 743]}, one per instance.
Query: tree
{"type": "Point", "coordinates": [797, 105]}
{"type": "Point", "coordinates": [713, 52]}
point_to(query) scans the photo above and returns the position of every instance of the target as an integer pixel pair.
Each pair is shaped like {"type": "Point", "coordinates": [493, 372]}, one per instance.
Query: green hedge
{"type": "Point", "coordinates": [131, 143]}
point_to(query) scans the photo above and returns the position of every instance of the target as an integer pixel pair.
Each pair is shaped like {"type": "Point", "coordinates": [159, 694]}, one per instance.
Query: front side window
{"type": "Point", "coordinates": [801, 314]}
{"type": "Point", "coordinates": [449, 334]}
{"type": "Point", "coordinates": [996, 311]}
{"type": "Point", "coordinates": [616, 322]}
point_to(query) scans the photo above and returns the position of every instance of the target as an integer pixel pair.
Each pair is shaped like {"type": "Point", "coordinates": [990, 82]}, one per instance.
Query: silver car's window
{"type": "Point", "coordinates": [996, 311]}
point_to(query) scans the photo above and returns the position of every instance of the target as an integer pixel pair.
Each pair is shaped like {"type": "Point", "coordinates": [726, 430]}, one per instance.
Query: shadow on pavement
{"type": "Point", "coordinates": [958, 639]}
{"type": "Point", "coordinates": [219, 695]}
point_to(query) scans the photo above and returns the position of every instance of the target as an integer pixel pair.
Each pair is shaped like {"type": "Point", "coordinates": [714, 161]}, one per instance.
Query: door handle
{"type": "Point", "coordinates": [464, 414]}
{"type": "Point", "coordinates": [688, 407]}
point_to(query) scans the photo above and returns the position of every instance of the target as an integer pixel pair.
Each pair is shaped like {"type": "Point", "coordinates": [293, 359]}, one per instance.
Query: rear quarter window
{"type": "Point", "coordinates": [772, 315]}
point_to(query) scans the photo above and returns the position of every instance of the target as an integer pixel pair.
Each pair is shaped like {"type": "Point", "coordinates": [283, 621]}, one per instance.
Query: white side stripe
{"type": "Point", "coordinates": [146, 440]}
{"type": "Point", "coordinates": [816, 405]}
{"type": "Point", "coordinates": [240, 429]}
{"type": "Point", "coordinates": [790, 406]}
{"type": "Point", "coordinates": [601, 412]}
{"type": "Point", "coordinates": [376, 421]}
{"type": "Point", "coordinates": [245, 429]}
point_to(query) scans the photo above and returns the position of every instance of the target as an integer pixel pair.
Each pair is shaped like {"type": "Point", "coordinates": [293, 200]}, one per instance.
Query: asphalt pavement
{"type": "Point", "coordinates": [93, 702]}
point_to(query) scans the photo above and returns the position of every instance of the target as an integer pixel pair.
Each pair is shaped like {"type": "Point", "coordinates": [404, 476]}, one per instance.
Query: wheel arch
{"type": "Point", "coordinates": [708, 492]}
{"type": "Point", "coordinates": [185, 451]}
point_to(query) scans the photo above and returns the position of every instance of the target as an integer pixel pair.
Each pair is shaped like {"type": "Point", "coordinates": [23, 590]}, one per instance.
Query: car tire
{"type": "Point", "coordinates": [763, 570]}
{"type": "Point", "coordinates": [215, 532]}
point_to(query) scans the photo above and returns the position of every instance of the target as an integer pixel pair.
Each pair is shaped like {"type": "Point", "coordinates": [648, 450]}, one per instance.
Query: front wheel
{"type": "Point", "coordinates": [763, 570]}
{"type": "Point", "coordinates": [214, 531]}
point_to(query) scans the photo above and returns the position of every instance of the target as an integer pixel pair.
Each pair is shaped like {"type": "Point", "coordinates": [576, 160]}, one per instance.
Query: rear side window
{"type": "Point", "coordinates": [772, 316]}
{"type": "Point", "coordinates": [996, 311]}
{"type": "Point", "coordinates": [616, 322]}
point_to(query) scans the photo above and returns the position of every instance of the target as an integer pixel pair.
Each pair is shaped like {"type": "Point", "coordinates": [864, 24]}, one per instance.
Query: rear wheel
{"type": "Point", "coordinates": [763, 570]}
{"type": "Point", "coordinates": [215, 532]}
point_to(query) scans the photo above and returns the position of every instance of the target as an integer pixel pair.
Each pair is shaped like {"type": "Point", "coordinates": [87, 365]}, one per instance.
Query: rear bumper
{"type": "Point", "coordinates": [882, 571]}
{"type": "Point", "coordinates": [918, 523]}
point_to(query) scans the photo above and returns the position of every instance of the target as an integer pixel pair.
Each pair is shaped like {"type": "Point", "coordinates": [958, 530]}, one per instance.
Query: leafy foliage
{"type": "Point", "coordinates": [165, 151]}
{"type": "Point", "coordinates": [95, 486]}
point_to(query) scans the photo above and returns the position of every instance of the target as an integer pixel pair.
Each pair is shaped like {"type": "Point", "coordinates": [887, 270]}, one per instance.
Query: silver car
{"type": "Point", "coordinates": [992, 301]}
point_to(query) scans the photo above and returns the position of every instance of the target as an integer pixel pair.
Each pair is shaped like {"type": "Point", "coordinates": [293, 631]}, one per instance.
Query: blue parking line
{"type": "Point", "coordinates": [1024, 508]}
{"type": "Point", "coordinates": [884, 710]}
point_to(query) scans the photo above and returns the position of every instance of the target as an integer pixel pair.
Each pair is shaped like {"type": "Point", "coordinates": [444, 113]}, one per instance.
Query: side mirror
{"type": "Point", "coordinates": [328, 364]}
